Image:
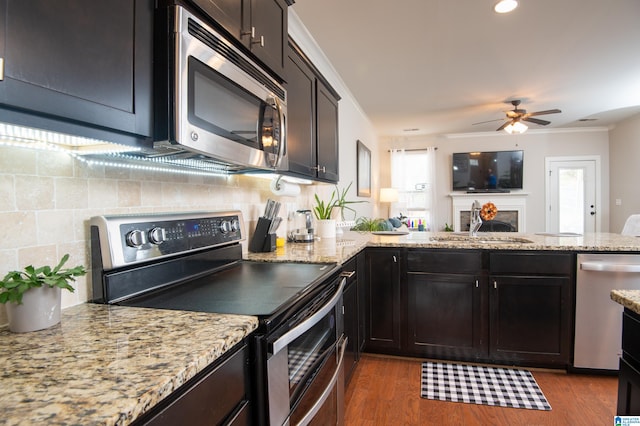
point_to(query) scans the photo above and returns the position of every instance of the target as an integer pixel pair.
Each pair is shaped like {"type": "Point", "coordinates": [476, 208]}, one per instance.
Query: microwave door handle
{"type": "Point", "coordinates": [306, 419]}
{"type": "Point", "coordinates": [301, 328]}
{"type": "Point", "coordinates": [282, 149]}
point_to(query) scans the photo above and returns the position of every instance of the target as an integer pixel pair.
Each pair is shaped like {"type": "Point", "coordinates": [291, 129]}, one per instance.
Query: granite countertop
{"type": "Point", "coordinates": [350, 243]}
{"type": "Point", "coordinates": [108, 364]}
{"type": "Point", "coordinates": [630, 299]}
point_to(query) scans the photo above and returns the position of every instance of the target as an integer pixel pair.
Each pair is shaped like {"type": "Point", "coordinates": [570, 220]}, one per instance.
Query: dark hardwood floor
{"type": "Point", "coordinates": [386, 391]}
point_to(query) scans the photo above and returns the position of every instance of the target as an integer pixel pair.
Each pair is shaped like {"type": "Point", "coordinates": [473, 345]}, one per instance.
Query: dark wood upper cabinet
{"type": "Point", "coordinates": [268, 33]}
{"type": "Point", "coordinates": [260, 26]}
{"type": "Point", "coordinates": [312, 107]}
{"type": "Point", "coordinates": [70, 64]}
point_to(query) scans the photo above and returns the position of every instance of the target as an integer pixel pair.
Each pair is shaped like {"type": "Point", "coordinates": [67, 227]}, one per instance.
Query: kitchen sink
{"type": "Point", "coordinates": [464, 238]}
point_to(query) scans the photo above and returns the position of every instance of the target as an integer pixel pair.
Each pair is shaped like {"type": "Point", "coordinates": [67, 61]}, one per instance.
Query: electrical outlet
{"type": "Point", "coordinates": [618, 201]}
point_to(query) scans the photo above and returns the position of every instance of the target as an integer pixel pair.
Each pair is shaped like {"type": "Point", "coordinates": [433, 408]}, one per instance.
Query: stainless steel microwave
{"type": "Point", "coordinates": [214, 101]}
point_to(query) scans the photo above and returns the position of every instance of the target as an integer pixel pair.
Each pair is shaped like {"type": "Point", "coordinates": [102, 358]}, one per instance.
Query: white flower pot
{"type": "Point", "coordinates": [40, 309]}
{"type": "Point", "coordinates": [326, 228]}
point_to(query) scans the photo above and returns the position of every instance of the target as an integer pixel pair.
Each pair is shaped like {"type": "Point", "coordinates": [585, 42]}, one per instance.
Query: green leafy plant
{"type": "Point", "coordinates": [16, 283]}
{"type": "Point", "coordinates": [322, 210]}
{"type": "Point", "coordinates": [448, 228]}
{"type": "Point", "coordinates": [365, 224]}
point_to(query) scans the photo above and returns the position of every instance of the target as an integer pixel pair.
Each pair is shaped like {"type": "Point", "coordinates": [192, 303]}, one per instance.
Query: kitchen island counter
{"type": "Point", "coordinates": [629, 299]}
{"type": "Point", "coordinates": [343, 248]}
{"type": "Point", "coordinates": [108, 364]}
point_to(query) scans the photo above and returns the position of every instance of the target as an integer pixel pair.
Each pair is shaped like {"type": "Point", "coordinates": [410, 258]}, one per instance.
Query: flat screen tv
{"type": "Point", "coordinates": [498, 171]}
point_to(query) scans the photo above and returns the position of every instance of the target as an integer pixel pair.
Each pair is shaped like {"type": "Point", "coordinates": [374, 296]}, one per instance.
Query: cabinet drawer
{"type": "Point", "coordinates": [531, 263]}
{"type": "Point", "coordinates": [445, 261]}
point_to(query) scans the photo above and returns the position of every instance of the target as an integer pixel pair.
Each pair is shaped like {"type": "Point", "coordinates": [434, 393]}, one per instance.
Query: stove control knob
{"type": "Point", "coordinates": [235, 225]}
{"type": "Point", "coordinates": [136, 238]}
{"type": "Point", "coordinates": [225, 226]}
{"type": "Point", "coordinates": [157, 235]}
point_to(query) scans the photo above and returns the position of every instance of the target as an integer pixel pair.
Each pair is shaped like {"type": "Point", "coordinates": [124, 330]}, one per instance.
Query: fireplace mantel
{"type": "Point", "coordinates": [504, 201]}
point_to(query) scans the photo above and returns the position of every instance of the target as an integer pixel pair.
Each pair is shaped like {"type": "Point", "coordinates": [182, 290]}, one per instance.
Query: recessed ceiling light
{"type": "Point", "coordinates": [505, 6]}
{"type": "Point", "coordinates": [414, 129]}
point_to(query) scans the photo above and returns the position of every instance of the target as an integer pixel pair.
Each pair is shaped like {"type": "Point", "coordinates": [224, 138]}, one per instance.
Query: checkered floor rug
{"type": "Point", "coordinates": [504, 387]}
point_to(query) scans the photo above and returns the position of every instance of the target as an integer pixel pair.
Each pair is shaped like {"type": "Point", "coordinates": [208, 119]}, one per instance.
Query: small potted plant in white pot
{"type": "Point", "coordinates": [326, 212]}
{"type": "Point", "coordinates": [325, 225]}
{"type": "Point", "coordinates": [32, 296]}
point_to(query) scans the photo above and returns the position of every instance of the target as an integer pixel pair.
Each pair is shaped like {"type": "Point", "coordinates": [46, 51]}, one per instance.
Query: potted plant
{"type": "Point", "coordinates": [323, 212]}
{"type": "Point", "coordinates": [365, 224]}
{"type": "Point", "coordinates": [342, 203]}
{"type": "Point", "coordinates": [33, 295]}
{"type": "Point", "coordinates": [325, 226]}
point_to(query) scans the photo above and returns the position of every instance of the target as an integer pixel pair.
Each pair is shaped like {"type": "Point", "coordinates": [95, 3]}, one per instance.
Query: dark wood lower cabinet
{"type": "Point", "coordinates": [351, 353]}
{"type": "Point", "coordinates": [446, 315]}
{"type": "Point", "coordinates": [507, 307]}
{"type": "Point", "coordinates": [629, 374]}
{"type": "Point", "coordinates": [383, 308]}
{"type": "Point", "coordinates": [353, 302]}
{"type": "Point", "coordinates": [530, 320]}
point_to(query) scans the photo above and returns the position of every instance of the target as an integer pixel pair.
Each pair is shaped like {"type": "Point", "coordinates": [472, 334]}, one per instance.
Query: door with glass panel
{"type": "Point", "coordinates": [572, 201]}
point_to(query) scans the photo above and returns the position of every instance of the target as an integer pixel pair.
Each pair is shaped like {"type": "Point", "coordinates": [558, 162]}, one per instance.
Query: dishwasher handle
{"type": "Point", "coordinates": [610, 267]}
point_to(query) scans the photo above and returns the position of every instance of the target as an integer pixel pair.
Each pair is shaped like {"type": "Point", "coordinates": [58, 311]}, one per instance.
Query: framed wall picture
{"type": "Point", "coordinates": [364, 170]}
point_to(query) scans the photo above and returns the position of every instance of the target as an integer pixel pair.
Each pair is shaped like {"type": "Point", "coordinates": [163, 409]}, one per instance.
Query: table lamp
{"type": "Point", "coordinates": [388, 195]}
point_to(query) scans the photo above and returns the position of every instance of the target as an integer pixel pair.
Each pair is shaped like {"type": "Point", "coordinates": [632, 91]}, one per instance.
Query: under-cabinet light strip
{"type": "Point", "coordinates": [145, 167]}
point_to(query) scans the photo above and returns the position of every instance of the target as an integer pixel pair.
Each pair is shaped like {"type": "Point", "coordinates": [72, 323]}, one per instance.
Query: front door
{"type": "Point", "coordinates": [571, 197]}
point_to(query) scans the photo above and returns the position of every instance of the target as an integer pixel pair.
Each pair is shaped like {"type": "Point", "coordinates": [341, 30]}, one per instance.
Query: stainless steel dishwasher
{"type": "Point", "coordinates": [598, 337]}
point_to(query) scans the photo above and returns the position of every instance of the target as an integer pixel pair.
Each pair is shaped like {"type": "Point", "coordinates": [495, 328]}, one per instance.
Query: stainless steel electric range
{"type": "Point", "coordinates": [193, 262]}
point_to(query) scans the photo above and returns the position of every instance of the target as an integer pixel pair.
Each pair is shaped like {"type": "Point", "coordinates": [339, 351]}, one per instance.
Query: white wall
{"type": "Point", "coordinates": [537, 145]}
{"type": "Point", "coordinates": [624, 145]}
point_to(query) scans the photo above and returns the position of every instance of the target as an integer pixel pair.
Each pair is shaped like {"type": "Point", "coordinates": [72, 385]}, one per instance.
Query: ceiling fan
{"type": "Point", "coordinates": [516, 116]}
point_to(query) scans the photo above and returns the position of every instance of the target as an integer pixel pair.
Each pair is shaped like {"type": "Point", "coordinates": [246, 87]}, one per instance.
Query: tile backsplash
{"type": "Point", "coordinates": [47, 198]}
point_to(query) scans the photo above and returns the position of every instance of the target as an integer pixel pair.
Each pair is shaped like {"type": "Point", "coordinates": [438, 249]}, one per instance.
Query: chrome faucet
{"type": "Point", "coordinates": [475, 221]}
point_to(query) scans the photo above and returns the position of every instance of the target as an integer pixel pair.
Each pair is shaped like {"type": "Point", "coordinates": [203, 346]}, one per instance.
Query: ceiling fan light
{"type": "Point", "coordinates": [505, 6]}
{"type": "Point", "coordinates": [516, 127]}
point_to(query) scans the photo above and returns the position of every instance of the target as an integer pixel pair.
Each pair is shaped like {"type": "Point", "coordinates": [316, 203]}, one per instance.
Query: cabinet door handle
{"type": "Point", "coordinates": [1, 69]}
{"type": "Point", "coordinates": [251, 33]}
{"type": "Point", "coordinates": [495, 284]}
{"type": "Point", "coordinates": [260, 41]}
{"type": "Point", "coordinates": [317, 168]}
{"type": "Point", "coordinates": [476, 283]}
{"type": "Point", "coordinates": [395, 260]}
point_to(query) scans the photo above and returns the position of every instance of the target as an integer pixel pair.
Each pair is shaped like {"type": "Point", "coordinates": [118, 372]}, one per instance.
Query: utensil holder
{"type": "Point", "coordinates": [262, 241]}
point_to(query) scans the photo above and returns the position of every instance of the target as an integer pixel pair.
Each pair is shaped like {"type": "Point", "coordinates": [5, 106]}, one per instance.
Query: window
{"type": "Point", "coordinates": [413, 175]}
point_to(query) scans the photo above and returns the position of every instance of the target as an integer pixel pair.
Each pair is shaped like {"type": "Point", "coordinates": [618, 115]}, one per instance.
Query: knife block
{"type": "Point", "coordinates": [262, 241]}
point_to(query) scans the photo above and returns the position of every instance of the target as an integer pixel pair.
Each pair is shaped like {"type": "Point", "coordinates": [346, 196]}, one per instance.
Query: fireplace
{"type": "Point", "coordinates": [511, 208]}
{"type": "Point", "coordinates": [506, 216]}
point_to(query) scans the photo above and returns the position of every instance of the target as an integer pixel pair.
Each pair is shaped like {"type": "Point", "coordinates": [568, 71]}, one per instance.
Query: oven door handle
{"type": "Point", "coordinates": [301, 328]}
{"type": "Point", "coordinates": [306, 419]}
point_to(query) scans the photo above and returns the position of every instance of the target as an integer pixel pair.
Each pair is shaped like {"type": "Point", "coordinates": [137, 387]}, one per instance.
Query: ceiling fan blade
{"type": "Point", "coordinates": [536, 120]}
{"type": "Point", "coordinates": [503, 126]}
{"type": "Point", "coordinates": [490, 121]}
{"type": "Point", "coordinates": [548, 111]}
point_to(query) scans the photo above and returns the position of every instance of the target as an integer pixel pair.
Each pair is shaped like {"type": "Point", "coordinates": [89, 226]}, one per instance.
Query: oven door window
{"type": "Point", "coordinates": [308, 352]}
{"type": "Point", "coordinates": [221, 107]}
